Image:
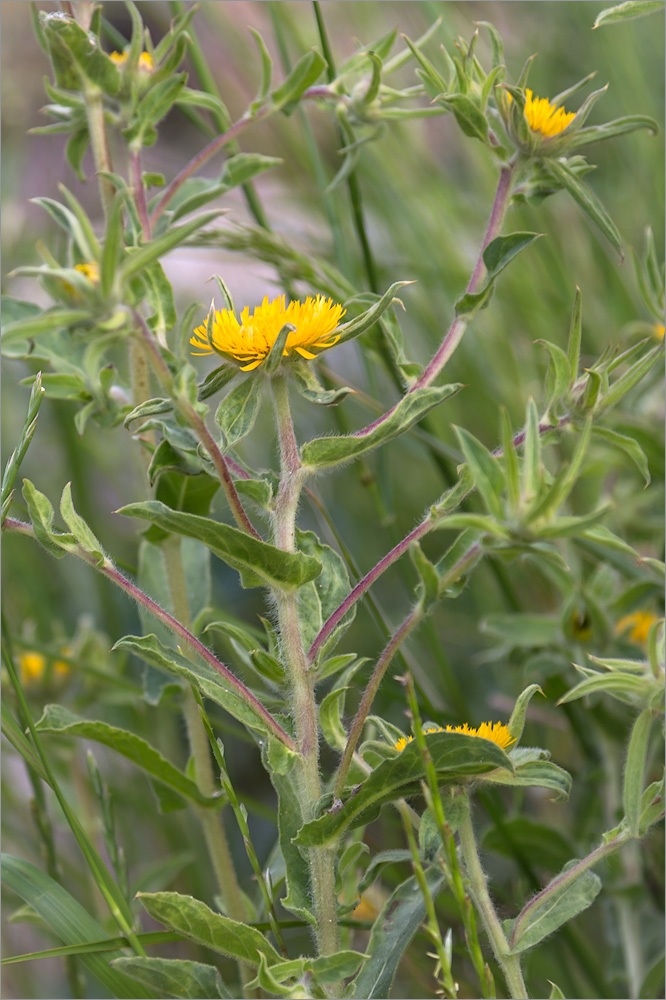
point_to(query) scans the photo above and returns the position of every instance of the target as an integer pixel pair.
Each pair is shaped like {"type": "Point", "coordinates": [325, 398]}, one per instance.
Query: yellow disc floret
{"type": "Point", "coordinates": [250, 340]}
{"type": "Point", "coordinates": [636, 626]}
{"type": "Point", "coordinates": [497, 732]}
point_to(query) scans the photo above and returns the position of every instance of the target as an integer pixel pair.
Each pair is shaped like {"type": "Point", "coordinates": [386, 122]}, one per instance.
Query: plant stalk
{"type": "Point", "coordinates": [98, 141]}
{"type": "Point", "coordinates": [510, 964]}
{"type": "Point", "coordinates": [305, 709]}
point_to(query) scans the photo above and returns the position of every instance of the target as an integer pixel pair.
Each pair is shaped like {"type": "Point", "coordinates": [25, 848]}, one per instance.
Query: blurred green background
{"type": "Point", "coordinates": [426, 192]}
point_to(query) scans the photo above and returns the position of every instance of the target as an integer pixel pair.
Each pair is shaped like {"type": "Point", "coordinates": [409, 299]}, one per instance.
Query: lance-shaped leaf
{"type": "Point", "coordinates": [259, 563]}
{"type": "Point", "coordinates": [455, 757]}
{"type": "Point", "coordinates": [533, 774]}
{"type": "Point", "coordinates": [139, 258]}
{"type": "Point", "coordinates": [355, 327]}
{"type": "Point", "coordinates": [174, 977]}
{"type": "Point", "coordinates": [194, 920]}
{"type": "Point", "coordinates": [627, 11]}
{"type": "Point", "coordinates": [41, 322]}
{"type": "Point", "coordinates": [586, 199]}
{"type": "Point", "coordinates": [325, 452]}
{"type": "Point", "coordinates": [223, 689]}
{"type": "Point", "coordinates": [311, 388]}
{"type": "Point", "coordinates": [569, 893]}
{"type": "Point", "coordinates": [392, 931]}
{"type": "Point", "coordinates": [61, 721]}
{"type": "Point", "coordinates": [307, 71]}
{"type": "Point", "coordinates": [318, 599]}
{"type": "Point", "coordinates": [79, 528]}
{"type": "Point", "coordinates": [69, 920]}
{"type": "Point", "coordinates": [634, 770]}
{"type": "Point", "coordinates": [238, 410]}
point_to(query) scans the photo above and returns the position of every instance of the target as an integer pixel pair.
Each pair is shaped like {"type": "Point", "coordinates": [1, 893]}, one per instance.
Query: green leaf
{"type": "Point", "coordinates": [76, 53]}
{"type": "Point", "coordinates": [634, 769]}
{"type": "Point", "coordinates": [559, 377]}
{"type": "Point", "coordinates": [259, 563]}
{"type": "Point", "coordinates": [428, 587]}
{"type": "Point", "coordinates": [454, 756]}
{"type": "Point", "coordinates": [627, 11]}
{"type": "Point", "coordinates": [41, 322]}
{"type": "Point", "coordinates": [570, 892]}
{"type": "Point", "coordinates": [318, 599]}
{"type": "Point", "coordinates": [194, 920]}
{"type": "Point", "coordinates": [629, 446]}
{"type": "Point", "coordinates": [211, 683]}
{"type": "Point", "coordinates": [531, 478]}
{"type": "Point", "coordinates": [138, 258]}
{"type": "Point", "coordinates": [586, 199]}
{"type": "Point", "coordinates": [217, 379]}
{"type": "Point", "coordinates": [355, 327]}
{"type": "Point", "coordinates": [75, 151]}
{"type": "Point", "coordinates": [298, 898]}
{"type": "Point", "coordinates": [82, 533]}
{"type": "Point", "coordinates": [174, 977]}
{"type": "Point", "coordinates": [630, 378]}
{"type": "Point", "coordinates": [61, 721]}
{"type": "Point", "coordinates": [41, 516]}
{"type": "Point", "coordinates": [517, 720]}
{"type": "Point", "coordinates": [238, 411]}
{"type": "Point", "coordinates": [486, 471]}
{"type": "Point", "coordinates": [555, 992]}
{"type": "Point", "coordinates": [402, 915]}
{"type": "Point", "coordinates": [325, 452]}
{"type": "Point", "coordinates": [152, 108]}
{"type": "Point", "coordinates": [534, 774]}
{"type": "Point", "coordinates": [503, 249]}
{"type": "Point", "coordinates": [609, 130]}
{"type": "Point", "coordinates": [469, 116]}
{"type": "Point", "coordinates": [311, 388]}
{"type": "Point", "coordinates": [159, 296]}
{"type": "Point", "coordinates": [330, 718]}
{"type": "Point", "coordinates": [16, 458]}
{"type": "Point", "coordinates": [627, 688]}
{"type": "Point", "coordinates": [307, 71]}
{"type": "Point", "coordinates": [243, 167]}
{"type": "Point", "coordinates": [68, 920]}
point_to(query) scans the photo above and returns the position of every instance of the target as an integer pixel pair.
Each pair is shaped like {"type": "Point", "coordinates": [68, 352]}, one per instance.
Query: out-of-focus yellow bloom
{"type": "Point", "coordinates": [365, 910]}
{"type": "Point", "coordinates": [249, 341]}
{"type": "Point", "coordinates": [89, 270]}
{"type": "Point", "coordinates": [145, 60]}
{"type": "Point", "coordinates": [636, 626]}
{"type": "Point", "coordinates": [32, 666]}
{"type": "Point", "coordinates": [497, 732]}
{"type": "Point", "coordinates": [659, 330]}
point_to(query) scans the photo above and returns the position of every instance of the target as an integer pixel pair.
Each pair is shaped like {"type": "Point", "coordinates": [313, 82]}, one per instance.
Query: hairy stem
{"type": "Point", "coordinates": [139, 192]}
{"type": "Point", "coordinates": [305, 709]}
{"type": "Point", "coordinates": [459, 325]}
{"type": "Point", "coordinates": [98, 141]}
{"type": "Point", "coordinates": [510, 964]}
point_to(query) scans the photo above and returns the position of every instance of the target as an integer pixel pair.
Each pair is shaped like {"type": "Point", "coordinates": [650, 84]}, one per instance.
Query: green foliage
{"type": "Point", "coordinates": [547, 469]}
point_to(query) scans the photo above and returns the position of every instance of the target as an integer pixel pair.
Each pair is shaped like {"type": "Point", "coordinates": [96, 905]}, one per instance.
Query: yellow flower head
{"type": "Point", "coordinates": [89, 271]}
{"type": "Point", "coordinates": [636, 626]}
{"type": "Point", "coordinates": [32, 666]}
{"type": "Point", "coordinates": [250, 340]}
{"type": "Point", "coordinates": [145, 60]}
{"type": "Point", "coordinates": [659, 331]}
{"type": "Point", "coordinates": [544, 117]}
{"type": "Point", "coordinates": [497, 732]}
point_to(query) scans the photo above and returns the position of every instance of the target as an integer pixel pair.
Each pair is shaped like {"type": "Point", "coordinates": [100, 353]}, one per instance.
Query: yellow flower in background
{"type": "Point", "coordinates": [145, 60]}
{"type": "Point", "coordinates": [659, 331]}
{"type": "Point", "coordinates": [544, 117]}
{"type": "Point", "coordinates": [497, 732]}
{"type": "Point", "coordinates": [32, 666]}
{"type": "Point", "coordinates": [89, 271]}
{"type": "Point", "coordinates": [636, 626]}
{"type": "Point", "coordinates": [249, 341]}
